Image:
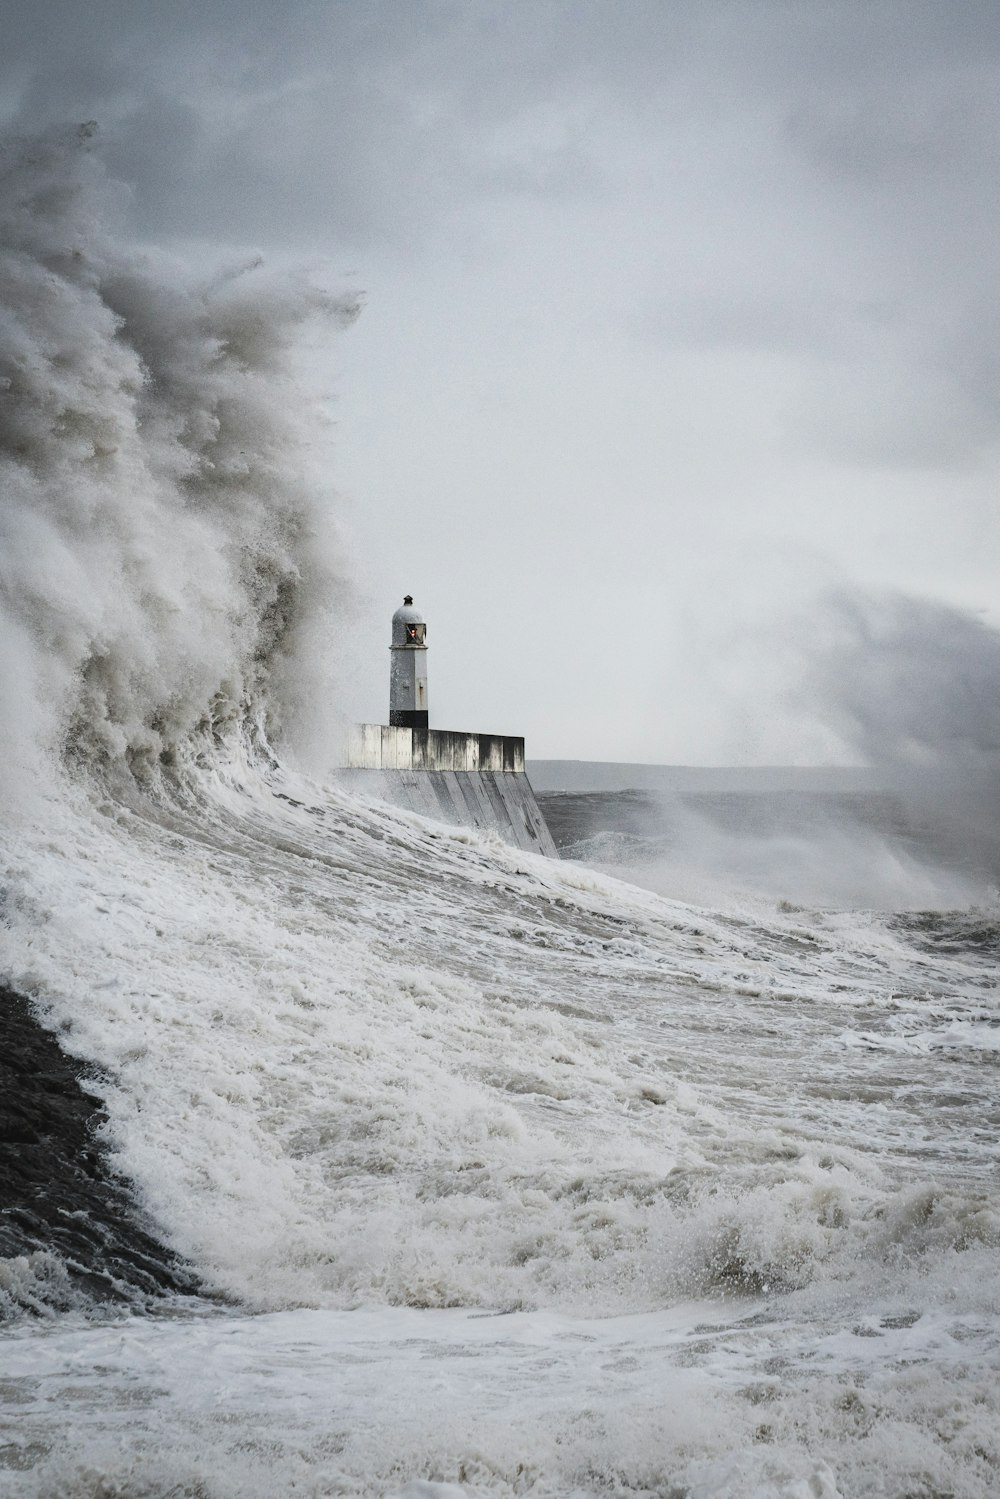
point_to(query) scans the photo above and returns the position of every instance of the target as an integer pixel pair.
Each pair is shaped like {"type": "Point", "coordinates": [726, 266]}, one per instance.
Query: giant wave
{"type": "Point", "coordinates": [696, 1200]}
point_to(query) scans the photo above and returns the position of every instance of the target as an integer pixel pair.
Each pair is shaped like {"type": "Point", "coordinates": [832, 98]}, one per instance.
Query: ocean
{"type": "Point", "coordinates": [347, 1154]}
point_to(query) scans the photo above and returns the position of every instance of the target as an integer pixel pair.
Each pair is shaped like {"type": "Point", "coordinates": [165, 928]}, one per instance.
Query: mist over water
{"type": "Point", "coordinates": [485, 1174]}
{"type": "Point", "coordinates": [877, 850]}
{"type": "Point", "coordinates": [910, 687]}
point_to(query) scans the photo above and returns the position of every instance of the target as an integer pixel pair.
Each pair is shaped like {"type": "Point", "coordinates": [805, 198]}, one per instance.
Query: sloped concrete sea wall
{"type": "Point", "coordinates": [465, 780]}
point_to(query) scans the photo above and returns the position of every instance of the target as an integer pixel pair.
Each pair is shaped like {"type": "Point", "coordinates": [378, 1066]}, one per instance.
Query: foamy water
{"type": "Point", "coordinates": [712, 1203]}
{"type": "Point", "coordinates": [498, 1175]}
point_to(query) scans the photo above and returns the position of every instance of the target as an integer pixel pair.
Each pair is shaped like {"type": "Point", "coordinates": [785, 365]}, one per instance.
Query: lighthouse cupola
{"type": "Point", "coordinates": [408, 668]}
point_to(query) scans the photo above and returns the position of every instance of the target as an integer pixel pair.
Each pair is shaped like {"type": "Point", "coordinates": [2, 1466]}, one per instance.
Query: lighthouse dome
{"type": "Point", "coordinates": [408, 626]}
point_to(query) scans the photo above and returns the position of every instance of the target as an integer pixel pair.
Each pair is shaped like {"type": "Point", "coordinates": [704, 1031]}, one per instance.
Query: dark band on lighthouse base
{"type": "Point", "coordinates": [407, 718]}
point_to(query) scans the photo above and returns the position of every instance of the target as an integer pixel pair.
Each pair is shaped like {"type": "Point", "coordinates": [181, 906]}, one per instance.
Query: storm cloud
{"type": "Point", "coordinates": [676, 315]}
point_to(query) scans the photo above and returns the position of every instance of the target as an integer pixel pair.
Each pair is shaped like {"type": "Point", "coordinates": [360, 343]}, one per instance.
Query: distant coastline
{"type": "Point", "coordinates": [612, 775]}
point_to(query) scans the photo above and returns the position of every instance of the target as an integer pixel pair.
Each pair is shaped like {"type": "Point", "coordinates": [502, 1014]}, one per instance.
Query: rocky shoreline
{"type": "Point", "coordinates": [70, 1234]}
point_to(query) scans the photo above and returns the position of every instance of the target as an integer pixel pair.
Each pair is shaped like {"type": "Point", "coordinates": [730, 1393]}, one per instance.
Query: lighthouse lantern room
{"type": "Point", "coordinates": [408, 668]}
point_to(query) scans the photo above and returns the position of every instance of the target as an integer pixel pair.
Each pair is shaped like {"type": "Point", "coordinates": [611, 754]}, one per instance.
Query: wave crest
{"type": "Point", "coordinates": [168, 542]}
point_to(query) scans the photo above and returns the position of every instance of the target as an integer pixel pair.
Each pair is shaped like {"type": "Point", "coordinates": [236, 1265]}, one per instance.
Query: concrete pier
{"type": "Point", "coordinates": [465, 780]}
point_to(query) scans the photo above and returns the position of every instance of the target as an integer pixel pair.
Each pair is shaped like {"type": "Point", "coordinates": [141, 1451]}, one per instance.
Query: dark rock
{"type": "Point", "coordinates": [62, 1207]}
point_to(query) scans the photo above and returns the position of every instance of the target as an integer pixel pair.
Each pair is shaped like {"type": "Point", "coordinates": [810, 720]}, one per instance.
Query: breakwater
{"type": "Point", "coordinates": [465, 780]}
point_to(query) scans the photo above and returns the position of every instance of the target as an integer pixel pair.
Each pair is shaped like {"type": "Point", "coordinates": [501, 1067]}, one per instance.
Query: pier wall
{"type": "Point", "coordinates": [465, 780]}
{"type": "Point", "coordinates": [376, 746]}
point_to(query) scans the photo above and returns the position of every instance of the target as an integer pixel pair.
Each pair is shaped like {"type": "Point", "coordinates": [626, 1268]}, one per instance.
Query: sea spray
{"type": "Point", "coordinates": [913, 686]}
{"type": "Point", "coordinates": [168, 545]}
{"type": "Point", "coordinates": [509, 1176]}
{"type": "Point", "coordinates": [908, 689]}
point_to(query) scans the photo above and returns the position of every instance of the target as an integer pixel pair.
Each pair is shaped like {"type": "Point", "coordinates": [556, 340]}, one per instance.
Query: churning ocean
{"type": "Point", "coordinates": [407, 1163]}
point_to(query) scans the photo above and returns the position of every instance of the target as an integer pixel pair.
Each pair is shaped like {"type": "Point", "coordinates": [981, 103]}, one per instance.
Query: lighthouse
{"type": "Point", "coordinates": [464, 780]}
{"type": "Point", "coordinates": [408, 668]}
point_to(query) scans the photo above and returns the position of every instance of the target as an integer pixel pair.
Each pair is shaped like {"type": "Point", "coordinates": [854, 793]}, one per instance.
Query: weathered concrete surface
{"type": "Point", "coordinates": [466, 780]}
{"type": "Point", "coordinates": [374, 746]}
{"type": "Point", "coordinates": [497, 799]}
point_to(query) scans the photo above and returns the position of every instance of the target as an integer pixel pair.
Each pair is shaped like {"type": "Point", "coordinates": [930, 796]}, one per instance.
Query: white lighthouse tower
{"type": "Point", "coordinates": [464, 780]}
{"type": "Point", "coordinates": [408, 668]}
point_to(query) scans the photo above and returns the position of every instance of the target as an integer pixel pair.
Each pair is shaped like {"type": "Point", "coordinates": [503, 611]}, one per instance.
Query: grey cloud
{"type": "Point", "coordinates": [353, 123]}
{"type": "Point", "coordinates": [756, 320]}
{"type": "Point", "coordinates": [821, 176]}
{"type": "Point", "coordinates": [558, 207]}
{"type": "Point", "coordinates": [361, 117]}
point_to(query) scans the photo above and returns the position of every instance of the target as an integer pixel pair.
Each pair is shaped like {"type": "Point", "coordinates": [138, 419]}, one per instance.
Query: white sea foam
{"type": "Point", "coordinates": [440, 1404]}
{"type": "Point", "coordinates": [728, 1173]}
{"type": "Point", "coordinates": [600, 1107]}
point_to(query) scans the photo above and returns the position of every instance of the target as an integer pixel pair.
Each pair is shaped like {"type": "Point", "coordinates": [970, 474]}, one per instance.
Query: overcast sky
{"type": "Point", "coordinates": [677, 316]}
